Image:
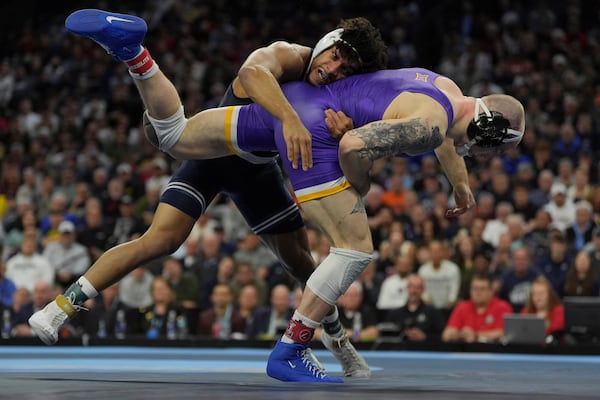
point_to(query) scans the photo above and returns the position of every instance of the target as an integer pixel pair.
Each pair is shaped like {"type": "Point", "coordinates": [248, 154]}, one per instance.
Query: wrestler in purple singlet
{"type": "Point", "coordinates": [364, 98]}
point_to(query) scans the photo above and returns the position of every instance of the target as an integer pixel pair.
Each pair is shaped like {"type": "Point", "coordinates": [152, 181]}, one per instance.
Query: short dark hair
{"type": "Point", "coordinates": [479, 276]}
{"type": "Point", "coordinates": [366, 40]}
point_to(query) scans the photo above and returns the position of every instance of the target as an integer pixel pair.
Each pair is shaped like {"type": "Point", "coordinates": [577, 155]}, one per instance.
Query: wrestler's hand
{"type": "Point", "coordinates": [299, 143]}
{"type": "Point", "coordinates": [464, 199]}
{"type": "Point", "coordinates": [338, 123]}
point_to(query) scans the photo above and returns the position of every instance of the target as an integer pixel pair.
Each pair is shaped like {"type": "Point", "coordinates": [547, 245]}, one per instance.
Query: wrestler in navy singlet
{"type": "Point", "coordinates": [364, 98]}
{"type": "Point", "coordinates": [258, 190]}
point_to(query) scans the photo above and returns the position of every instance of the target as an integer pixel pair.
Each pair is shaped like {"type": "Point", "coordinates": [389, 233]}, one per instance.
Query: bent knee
{"type": "Point", "coordinates": [350, 144]}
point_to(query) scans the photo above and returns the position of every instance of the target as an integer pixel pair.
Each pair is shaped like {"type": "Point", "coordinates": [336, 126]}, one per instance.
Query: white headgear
{"type": "Point", "coordinates": [328, 40]}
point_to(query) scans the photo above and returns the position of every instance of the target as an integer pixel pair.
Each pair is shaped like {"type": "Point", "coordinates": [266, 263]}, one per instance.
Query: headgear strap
{"type": "Point", "coordinates": [328, 40]}
{"type": "Point", "coordinates": [488, 129]}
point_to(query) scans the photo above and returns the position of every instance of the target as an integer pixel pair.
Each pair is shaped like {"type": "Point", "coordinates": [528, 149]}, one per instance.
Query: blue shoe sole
{"type": "Point", "coordinates": [120, 34]}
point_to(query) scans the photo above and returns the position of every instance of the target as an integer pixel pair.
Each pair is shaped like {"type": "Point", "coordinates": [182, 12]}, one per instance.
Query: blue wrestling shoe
{"type": "Point", "coordinates": [289, 362]}
{"type": "Point", "coordinates": [121, 35]}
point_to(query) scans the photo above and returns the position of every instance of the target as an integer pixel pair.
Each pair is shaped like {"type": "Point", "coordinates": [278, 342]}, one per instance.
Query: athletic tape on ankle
{"type": "Point", "coordinates": [299, 332]}
{"type": "Point", "coordinates": [169, 130]}
{"type": "Point", "coordinates": [337, 271]}
{"type": "Point", "coordinates": [142, 66]}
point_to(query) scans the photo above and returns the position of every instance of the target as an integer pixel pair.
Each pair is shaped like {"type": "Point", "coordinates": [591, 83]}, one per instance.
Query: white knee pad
{"type": "Point", "coordinates": [166, 132]}
{"type": "Point", "coordinates": [338, 270]}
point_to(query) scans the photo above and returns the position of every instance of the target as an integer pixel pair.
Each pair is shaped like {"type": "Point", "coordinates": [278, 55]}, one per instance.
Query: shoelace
{"type": "Point", "coordinates": [59, 318]}
{"type": "Point", "coordinates": [312, 368]}
{"type": "Point", "coordinates": [350, 357]}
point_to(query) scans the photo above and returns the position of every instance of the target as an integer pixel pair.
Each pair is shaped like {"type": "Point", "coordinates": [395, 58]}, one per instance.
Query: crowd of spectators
{"type": "Point", "coordinates": [77, 176]}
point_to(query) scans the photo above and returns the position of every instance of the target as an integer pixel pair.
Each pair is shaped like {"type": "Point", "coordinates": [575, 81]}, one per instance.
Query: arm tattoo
{"type": "Point", "coordinates": [384, 139]}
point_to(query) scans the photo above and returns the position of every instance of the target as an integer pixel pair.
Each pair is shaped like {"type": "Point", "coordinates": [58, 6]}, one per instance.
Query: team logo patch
{"type": "Point", "coordinates": [421, 77]}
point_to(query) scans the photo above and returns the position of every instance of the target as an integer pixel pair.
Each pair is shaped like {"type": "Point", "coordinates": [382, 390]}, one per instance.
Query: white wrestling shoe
{"type": "Point", "coordinates": [46, 323]}
{"type": "Point", "coordinates": [353, 364]}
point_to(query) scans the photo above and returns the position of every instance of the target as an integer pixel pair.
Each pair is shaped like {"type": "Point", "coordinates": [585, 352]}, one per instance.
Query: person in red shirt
{"type": "Point", "coordinates": [478, 319]}
{"type": "Point", "coordinates": [544, 302]}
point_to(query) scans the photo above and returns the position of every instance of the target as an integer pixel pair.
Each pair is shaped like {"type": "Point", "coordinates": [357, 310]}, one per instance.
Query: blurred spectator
{"type": "Point", "coordinates": [517, 279]}
{"type": "Point", "coordinates": [497, 226]}
{"type": "Point", "coordinates": [356, 317]}
{"type": "Point", "coordinates": [135, 288]}
{"type": "Point", "coordinates": [479, 319]}
{"type": "Point", "coordinates": [270, 321]}
{"type": "Point", "coordinates": [203, 262]}
{"type": "Point", "coordinates": [393, 195]}
{"type": "Point", "coordinates": [159, 319]}
{"type": "Point", "coordinates": [93, 230]}
{"type": "Point", "coordinates": [486, 206]}
{"type": "Point", "coordinates": [391, 247]}
{"type": "Point", "coordinates": [568, 142]}
{"type": "Point", "coordinates": [582, 278]}
{"type": "Point", "coordinates": [247, 302]}
{"type": "Point", "coordinates": [69, 258]}
{"type": "Point", "coordinates": [27, 189]}
{"type": "Point", "coordinates": [541, 194]}
{"type": "Point", "coordinates": [581, 189]}
{"type": "Point", "coordinates": [252, 251]}
{"type": "Point", "coordinates": [146, 205]}
{"type": "Point", "coordinates": [245, 275]}
{"type": "Point", "coordinates": [515, 228]}
{"type": "Point", "coordinates": [476, 232]}
{"type": "Point", "coordinates": [471, 262]}
{"type": "Point", "coordinates": [7, 287]}
{"type": "Point", "coordinates": [543, 161]}
{"type": "Point", "coordinates": [580, 232]}
{"type": "Point", "coordinates": [28, 266]}
{"type": "Point", "coordinates": [222, 320]}
{"type": "Point", "coordinates": [184, 284]}
{"type": "Point", "coordinates": [593, 249]}
{"type": "Point", "coordinates": [80, 197]}
{"type": "Point", "coordinates": [132, 183]}
{"type": "Point", "coordinates": [537, 238]}
{"type": "Point", "coordinates": [564, 173]}
{"type": "Point", "coordinates": [160, 173]}
{"type": "Point", "coordinates": [57, 212]}
{"type": "Point", "coordinates": [501, 188]}
{"type": "Point", "coordinates": [12, 216]}
{"type": "Point", "coordinates": [556, 266]}
{"type": "Point", "coordinates": [442, 277]}
{"type": "Point", "coordinates": [111, 200]}
{"type": "Point", "coordinates": [41, 295]}
{"type": "Point", "coordinates": [416, 320]}
{"type": "Point", "coordinates": [561, 209]}
{"type": "Point", "coordinates": [393, 292]}
{"type": "Point", "coordinates": [544, 302]}
{"type": "Point", "coordinates": [370, 281]}
{"type": "Point", "coordinates": [126, 223]}
{"type": "Point", "coordinates": [14, 237]}
{"type": "Point", "coordinates": [521, 202]}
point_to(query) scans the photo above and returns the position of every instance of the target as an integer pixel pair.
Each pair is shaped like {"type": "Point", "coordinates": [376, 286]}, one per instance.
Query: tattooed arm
{"type": "Point", "coordinates": [361, 146]}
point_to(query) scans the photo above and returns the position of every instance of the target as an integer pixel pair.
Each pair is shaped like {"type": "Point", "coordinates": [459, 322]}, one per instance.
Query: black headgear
{"type": "Point", "coordinates": [488, 129]}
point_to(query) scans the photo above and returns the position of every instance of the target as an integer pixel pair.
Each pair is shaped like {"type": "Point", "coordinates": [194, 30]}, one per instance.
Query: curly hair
{"type": "Point", "coordinates": [366, 40]}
